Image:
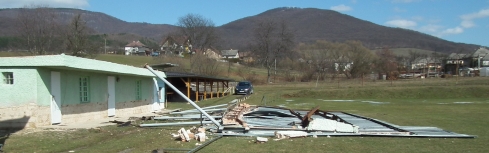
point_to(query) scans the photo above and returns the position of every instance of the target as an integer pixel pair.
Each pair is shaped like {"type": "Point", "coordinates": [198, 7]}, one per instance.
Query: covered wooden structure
{"type": "Point", "coordinates": [197, 87]}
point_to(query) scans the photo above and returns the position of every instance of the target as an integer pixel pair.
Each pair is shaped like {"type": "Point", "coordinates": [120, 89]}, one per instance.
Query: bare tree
{"type": "Point", "coordinates": [272, 41]}
{"type": "Point", "coordinates": [413, 56]}
{"type": "Point", "coordinates": [38, 28]}
{"type": "Point", "coordinates": [200, 31]}
{"type": "Point", "coordinates": [77, 38]}
{"type": "Point", "coordinates": [402, 63]}
{"type": "Point", "coordinates": [246, 73]}
{"type": "Point", "coordinates": [206, 66]}
{"type": "Point", "coordinates": [324, 56]}
{"type": "Point", "coordinates": [387, 62]}
{"type": "Point", "coordinates": [350, 59]}
{"type": "Point", "coordinates": [361, 58]}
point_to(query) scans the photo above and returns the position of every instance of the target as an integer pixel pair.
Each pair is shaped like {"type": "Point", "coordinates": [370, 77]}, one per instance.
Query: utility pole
{"type": "Point", "coordinates": [229, 65]}
{"type": "Point", "coordinates": [105, 43]}
{"type": "Point", "coordinates": [457, 71]}
{"type": "Point", "coordinates": [479, 62]}
{"type": "Point", "coordinates": [275, 71]}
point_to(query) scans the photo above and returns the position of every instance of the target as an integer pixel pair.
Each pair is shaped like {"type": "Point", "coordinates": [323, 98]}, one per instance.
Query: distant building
{"type": "Point", "coordinates": [135, 48]}
{"type": "Point", "coordinates": [210, 53]}
{"type": "Point", "coordinates": [466, 62]}
{"type": "Point", "coordinates": [246, 57]}
{"type": "Point", "coordinates": [175, 45]}
{"type": "Point", "coordinates": [427, 65]}
{"type": "Point", "coordinates": [230, 54]}
{"type": "Point", "coordinates": [479, 58]}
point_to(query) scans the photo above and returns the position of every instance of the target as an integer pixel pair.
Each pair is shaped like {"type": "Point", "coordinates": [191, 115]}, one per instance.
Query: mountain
{"type": "Point", "coordinates": [100, 22]}
{"type": "Point", "coordinates": [309, 24]}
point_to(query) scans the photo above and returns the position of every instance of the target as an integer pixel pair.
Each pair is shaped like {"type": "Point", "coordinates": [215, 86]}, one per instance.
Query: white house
{"type": "Point", "coordinates": [135, 47]}
{"type": "Point", "coordinates": [53, 89]}
{"type": "Point", "coordinates": [230, 54]}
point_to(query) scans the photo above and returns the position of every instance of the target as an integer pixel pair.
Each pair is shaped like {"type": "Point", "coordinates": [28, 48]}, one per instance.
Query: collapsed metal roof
{"type": "Point", "coordinates": [239, 119]}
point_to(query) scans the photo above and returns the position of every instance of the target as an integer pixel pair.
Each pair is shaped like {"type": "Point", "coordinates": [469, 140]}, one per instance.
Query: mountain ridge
{"type": "Point", "coordinates": [310, 24]}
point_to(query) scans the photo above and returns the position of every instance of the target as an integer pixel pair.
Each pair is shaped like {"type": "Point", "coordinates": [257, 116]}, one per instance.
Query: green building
{"type": "Point", "coordinates": [53, 89]}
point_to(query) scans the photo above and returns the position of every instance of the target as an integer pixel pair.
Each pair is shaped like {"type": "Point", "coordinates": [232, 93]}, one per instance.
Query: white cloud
{"type": "Point", "coordinates": [48, 3]}
{"type": "Point", "coordinates": [468, 19]}
{"type": "Point", "coordinates": [480, 14]}
{"type": "Point", "coordinates": [456, 30]}
{"type": "Point", "coordinates": [341, 8]}
{"type": "Point", "coordinates": [402, 23]}
{"type": "Point", "coordinates": [467, 23]}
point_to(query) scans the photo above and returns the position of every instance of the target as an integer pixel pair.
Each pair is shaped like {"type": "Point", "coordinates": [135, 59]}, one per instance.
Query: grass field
{"type": "Point", "coordinates": [458, 105]}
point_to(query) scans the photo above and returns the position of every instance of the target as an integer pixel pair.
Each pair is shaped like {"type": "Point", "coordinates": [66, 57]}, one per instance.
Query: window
{"type": "Point", "coordinates": [84, 89]}
{"type": "Point", "coordinates": [8, 77]}
{"type": "Point", "coordinates": [138, 90]}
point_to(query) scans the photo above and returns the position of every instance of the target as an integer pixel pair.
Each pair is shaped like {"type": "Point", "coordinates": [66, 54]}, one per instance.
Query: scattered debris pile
{"type": "Point", "coordinates": [193, 133]}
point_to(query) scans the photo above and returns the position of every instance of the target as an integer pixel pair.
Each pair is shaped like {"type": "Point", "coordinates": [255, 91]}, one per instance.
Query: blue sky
{"type": "Point", "coordinates": [465, 21]}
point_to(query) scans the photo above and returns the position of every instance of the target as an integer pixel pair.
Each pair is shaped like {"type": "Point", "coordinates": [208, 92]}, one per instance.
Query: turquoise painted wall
{"type": "Point", "coordinates": [32, 85]}
{"type": "Point", "coordinates": [43, 87]}
{"type": "Point", "coordinates": [125, 89]}
{"type": "Point", "coordinates": [70, 86]}
{"type": "Point", "coordinates": [23, 91]}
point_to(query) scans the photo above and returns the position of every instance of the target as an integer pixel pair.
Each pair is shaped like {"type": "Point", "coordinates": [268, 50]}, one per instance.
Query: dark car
{"type": "Point", "coordinates": [244, 87]}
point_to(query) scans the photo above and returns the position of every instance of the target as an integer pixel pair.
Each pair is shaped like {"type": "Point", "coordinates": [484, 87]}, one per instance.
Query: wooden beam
{"type": "Point", "coordinates": [227, 83]}
{"type": "Point", "coordinates": [188, 87]}
{"type": "Point", "coordinates": [218, 92]}
{"type": "Point", "coordinates": [205, 89]}
{"type": "Point", "coordinates": [183, 80]}
{"type": "Point", "coordinates": [197, 90]}
{"type": "Point", "coordinates": [307, 118]}
{"type": "Point", "coordinates": [212, 90]}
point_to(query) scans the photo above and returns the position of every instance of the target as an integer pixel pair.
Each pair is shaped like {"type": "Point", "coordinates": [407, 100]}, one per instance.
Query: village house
{"type": "Point", "coordinates": [246, 57]}
{"type": "Point", "coordinates": [54, 89]}
{"type": "Point", "coordinates": [479, 58]}
{"type": "Point", "coordinates": [210, 53]}
{"type": "Point", "coordinates": [427, 65]}
{"type": "Point", "coordinates": [136, 48]}
{"type": "Point", "coordinates": [230, 54]}
{"type": "Point", "coordinates": [175, 45]}
{"type": "Point", "coordinates": [466, 62]}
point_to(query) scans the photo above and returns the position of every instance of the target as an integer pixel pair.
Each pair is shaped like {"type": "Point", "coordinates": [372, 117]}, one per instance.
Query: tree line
{"type": "Point", "coordinates": [40, 31]}
{"type": "Point", "coordinates": [273, 47]}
